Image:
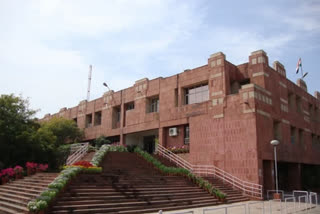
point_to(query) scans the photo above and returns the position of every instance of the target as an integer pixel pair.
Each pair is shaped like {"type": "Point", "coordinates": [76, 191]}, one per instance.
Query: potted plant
{"type": "Point", "coordinates": [18, 171]}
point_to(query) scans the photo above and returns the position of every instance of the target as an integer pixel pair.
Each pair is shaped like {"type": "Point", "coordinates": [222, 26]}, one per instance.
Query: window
{"type": "Point", "coordinates": [277, 130]}
{"type": "Point", "coordinates": [97, 118]}
{"type": "Point", "coordinates": [311, 112]}
{"type": "Point", "coordinates": [186, 134]}
{"type": "Point", "coordinates": [88, 120]}
{"type": "Point", "coordinates": [176, 97]}
{"type": "Point", "coordinates": [129, 106]}
{"type": "Point", "coordinates": [301, 136]}
{"type": "Point", "coordinates": [293, 134]}
{"type": "Point", "coordinates": [314, 139]}
{"type": "Point", "coordinates": [154, 104]}
{"type": "Point", "coordinates": [316, 114]}
{"type": "Point", "coordinates": [197, 94]}
{"type": "Point", "coordinates": [75, 120]}
{"type": "Point", "coordinates": [298, 102]}
{"type": "Point", "coordinates": [291, 100]}
{"type": "Point", "coordinates": [116, 115]}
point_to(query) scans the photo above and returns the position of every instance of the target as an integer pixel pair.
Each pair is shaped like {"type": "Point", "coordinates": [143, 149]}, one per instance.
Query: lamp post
{"type": "Point", "coordinates": [275, 143]}
{"type": "Point", "coordinates": [105, 84]}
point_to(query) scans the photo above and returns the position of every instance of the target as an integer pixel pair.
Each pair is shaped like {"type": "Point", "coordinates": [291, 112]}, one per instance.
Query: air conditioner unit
{"type": "Point", "coordinates": [173, 132]}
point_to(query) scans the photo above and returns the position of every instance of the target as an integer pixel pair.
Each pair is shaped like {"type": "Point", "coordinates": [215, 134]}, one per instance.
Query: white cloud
{"type": "Point", "coordinates": [47, 46]}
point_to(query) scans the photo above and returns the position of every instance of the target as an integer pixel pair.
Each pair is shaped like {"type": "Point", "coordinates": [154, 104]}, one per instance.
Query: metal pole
{"type": "Point", "coordinates": [276, 168]}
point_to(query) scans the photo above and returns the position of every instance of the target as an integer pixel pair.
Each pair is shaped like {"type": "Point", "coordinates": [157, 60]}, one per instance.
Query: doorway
{"type": "Point", "coordinates": [149, 144]}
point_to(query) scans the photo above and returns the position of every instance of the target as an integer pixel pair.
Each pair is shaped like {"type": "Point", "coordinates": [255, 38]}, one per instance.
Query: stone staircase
{"type": "Point", "coordinates": [233, 195]}
{"type": "Point", "coordinates": [15, 196]}
{"type": "Point", "coordinates": [129, 184]}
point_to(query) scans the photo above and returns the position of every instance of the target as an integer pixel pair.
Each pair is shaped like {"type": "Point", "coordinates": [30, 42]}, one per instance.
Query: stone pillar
{"type": "Point", "coordinates": [162, 137]}
{"type": "Point", "coordinates": [258, 68]}
{"type": "Point", "coordinates": [279, 68]}
{"type": "Point", "coordinates": [317, 95]}
{"type": "Point", "coordinates": [302, 84]}
{"type": "Point", "coordinates": [219, 84]}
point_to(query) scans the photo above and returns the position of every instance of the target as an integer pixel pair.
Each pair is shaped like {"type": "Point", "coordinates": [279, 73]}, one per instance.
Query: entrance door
{"type": "Point", "coordinates": [149, 144]}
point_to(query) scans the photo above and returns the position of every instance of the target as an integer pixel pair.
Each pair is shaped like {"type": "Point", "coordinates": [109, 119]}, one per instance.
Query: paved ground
{"type": "Point", "coordinates": [255, 207]}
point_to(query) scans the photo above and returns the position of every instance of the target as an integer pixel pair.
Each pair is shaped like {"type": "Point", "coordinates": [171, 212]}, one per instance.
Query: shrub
{"type": "Point", "coordinates": [35, 206]}
{"type": "Point", "coordinates": [202, 183]}
{"type": "Point", "coordinates": [101, 141]}
{"type": "Point", "coordinates": [99, 155]}
{"type": "Point", "coordinates": [85, 164]}
{"type": "Point", "coordinates": [131, 148]}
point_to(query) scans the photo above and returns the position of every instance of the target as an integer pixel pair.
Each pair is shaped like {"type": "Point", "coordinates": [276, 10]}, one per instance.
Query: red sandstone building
{"type": "Point", "coordinates": [226, 114]}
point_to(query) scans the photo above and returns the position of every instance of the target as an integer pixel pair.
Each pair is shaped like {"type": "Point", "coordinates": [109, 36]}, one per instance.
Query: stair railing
{"type": "Point", "coordinates": [79, 153]}
{"type": "Point", "coordinates": [247, 188]}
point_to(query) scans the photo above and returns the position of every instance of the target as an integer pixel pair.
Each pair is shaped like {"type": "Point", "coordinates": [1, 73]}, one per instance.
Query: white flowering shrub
{"type": "Point", "coordinates": [99, 155]}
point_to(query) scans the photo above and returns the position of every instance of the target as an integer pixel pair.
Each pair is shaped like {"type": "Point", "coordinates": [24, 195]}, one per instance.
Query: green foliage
{"type": "Point", "coordinates": [91, 149]}
{"type": "Point", "coordinates": [202, 183]}
{"type": "Point", "coordinates": [65, 130]}
{"type": "Point", "coordinates": [91, 170]}
{"type": "Point", "coordinates": [99, 155]}
{"type": "Point", "coordinates": [131, 148]}
{"type": "Point", "coordinates": [159, 165]}
{"type": "Point", "coordinates": [17, 129]}
{"type": "Point", "coordinates": [35, 206]}
{"type": "Point", "coordinates": [102, 140]}
{"type": "Point", "coordinates": [24, 139]}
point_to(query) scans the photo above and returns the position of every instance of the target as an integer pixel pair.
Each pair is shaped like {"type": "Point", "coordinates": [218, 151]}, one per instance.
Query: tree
{"type": "Point", "coordinates": [23, 139]}
{"type": "Point", "coordinates": [64, 130]}
{"type": "Point", "coordinates": [16, 127]}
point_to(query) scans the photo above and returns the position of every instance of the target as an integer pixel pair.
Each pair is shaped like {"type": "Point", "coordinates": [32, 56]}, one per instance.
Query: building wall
{"type": "Point", "coordinates": [231, 130]}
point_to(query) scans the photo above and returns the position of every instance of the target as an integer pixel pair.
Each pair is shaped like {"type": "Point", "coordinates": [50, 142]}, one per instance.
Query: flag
{"type": "Point", "coordinates": [298, 65]}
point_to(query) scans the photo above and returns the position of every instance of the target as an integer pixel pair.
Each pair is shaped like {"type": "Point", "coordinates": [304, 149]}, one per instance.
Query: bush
{"type": "Point", "coordinates": [131, 148]}
{"type": "Point", "coordinates": [35, 206]}
{"type": "Point", "coordinates": [99, 155]}
{"type": "Point", "coordinates": [101, 141]}
{"type": "Point", "coordinates": [202, 183]}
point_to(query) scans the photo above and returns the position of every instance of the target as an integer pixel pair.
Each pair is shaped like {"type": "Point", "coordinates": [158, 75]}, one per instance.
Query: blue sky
{"type": "Point", "coordinates": [46, 47]}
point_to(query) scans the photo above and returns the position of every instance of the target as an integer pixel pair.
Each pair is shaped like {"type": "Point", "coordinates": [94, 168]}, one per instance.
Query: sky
{"type": "Point", "coordinates": [46, 46]}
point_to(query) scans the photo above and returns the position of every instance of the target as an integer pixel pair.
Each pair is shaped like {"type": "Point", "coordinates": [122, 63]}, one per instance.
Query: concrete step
{"type": "Point", "coordinates": [134, 201]}
{"type": "Point", "coordinates": [13, 201]}
{"type": "Point", "coordinates": [28, 194]}
{"type": "Point", "coordinates": [20, 189]}
{"type": "Point", "coordinates": [130, 205]}
{"type": "Point", "coordinates": [15, 207]}
{"type": "Point", "coordinates": [122, 196]}
{"type": "Point", "coordinates": [15, 196]}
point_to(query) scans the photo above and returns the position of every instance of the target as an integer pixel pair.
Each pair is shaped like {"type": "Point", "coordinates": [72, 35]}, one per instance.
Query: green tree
{"type": "Point", "coordinates": [64, 130]}
{"type": "Point", "coordinates": [16, 128]}
{"type": "Point", "coordinates": [23, 139]}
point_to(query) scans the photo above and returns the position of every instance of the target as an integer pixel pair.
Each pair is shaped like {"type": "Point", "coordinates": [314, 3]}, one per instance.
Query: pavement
{"type": "Point", "coordinates": [253, 207]}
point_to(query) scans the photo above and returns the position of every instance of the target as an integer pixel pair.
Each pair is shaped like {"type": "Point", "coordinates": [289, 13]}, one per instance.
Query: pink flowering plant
{"type": "Point", "coordinates": [31, 165]}
{"type": "Point", "coordinates": [18, 169]}
{"type": "Point", "coordinates": [9, 172]}
{"type": "Point", "coordinates": [179, 149]}
{"type": "Point", "coordinates": [43, 167]}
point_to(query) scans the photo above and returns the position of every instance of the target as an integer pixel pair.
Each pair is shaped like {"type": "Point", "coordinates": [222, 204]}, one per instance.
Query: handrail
{"type": "Point", "coordinates": [74, 147]}
{"type": "Point", "coordinates": [78, 154]}
{"type": "Point", "coordinates": [248, 188]}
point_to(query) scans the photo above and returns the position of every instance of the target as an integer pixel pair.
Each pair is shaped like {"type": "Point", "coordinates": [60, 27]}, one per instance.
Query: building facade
{"type": "Point", "coordinates": [226, 114]}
